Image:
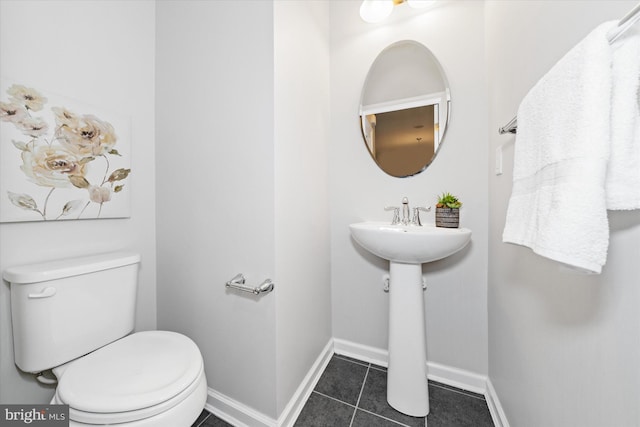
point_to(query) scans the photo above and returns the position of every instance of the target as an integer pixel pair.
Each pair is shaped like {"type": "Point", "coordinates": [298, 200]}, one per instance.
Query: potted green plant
{"type": "Point", "coordinates": [448, 211]}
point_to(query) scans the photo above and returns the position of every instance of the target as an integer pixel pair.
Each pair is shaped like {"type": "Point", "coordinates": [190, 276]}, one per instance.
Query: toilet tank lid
{"type": "Point", "coordinates": [51, 270]}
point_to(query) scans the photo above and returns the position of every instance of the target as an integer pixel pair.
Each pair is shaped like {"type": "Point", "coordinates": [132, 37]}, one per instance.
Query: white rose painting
{"type": "Point", "coordinates": [60, 160]}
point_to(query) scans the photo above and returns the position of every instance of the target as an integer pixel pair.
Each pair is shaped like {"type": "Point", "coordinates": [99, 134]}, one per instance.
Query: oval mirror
{"type": "Point", "coordinates": [404, 108]}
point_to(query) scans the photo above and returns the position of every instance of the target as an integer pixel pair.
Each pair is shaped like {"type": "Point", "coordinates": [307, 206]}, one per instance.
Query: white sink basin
{"type": "Point", "coordinates": [409, 244]}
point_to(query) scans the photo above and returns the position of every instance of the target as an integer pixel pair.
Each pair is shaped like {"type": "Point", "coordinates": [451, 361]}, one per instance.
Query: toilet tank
{"type": "Point", "coordinates": [61, 310]}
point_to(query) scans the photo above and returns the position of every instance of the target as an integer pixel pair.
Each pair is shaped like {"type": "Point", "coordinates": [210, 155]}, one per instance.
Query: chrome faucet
{"type": "Point", "coordinates": [396, 214]}
{"type": "Point", "coordinates": [416, 215]}
{"type": "Point", "coordinates": [405, 213]}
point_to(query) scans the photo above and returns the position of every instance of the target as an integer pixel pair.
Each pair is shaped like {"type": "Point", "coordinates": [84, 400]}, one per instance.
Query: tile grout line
{"type": "Point", "coordinates": [353, 417]}
{"type": "Point", "coordinates": [332, 398]}
{"type": "Point", "coordinates": [369, 367]}
{"type": "Point", "coordinates": [352, 360]}
{"type": "Point", "coordinates": [205, 419]}
{"type": "Point", "coordinates": [459, 391]}
{"type": "Point", "coordinates": [379, 368]}
{"type": "Point", "coordinates": [385, 418]}
{"type": "Point", "coordinates": [433, 383]}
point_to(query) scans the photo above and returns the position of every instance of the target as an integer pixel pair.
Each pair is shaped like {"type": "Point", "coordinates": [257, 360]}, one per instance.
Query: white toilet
{"type": "Point", "coordinates": [74, 316]}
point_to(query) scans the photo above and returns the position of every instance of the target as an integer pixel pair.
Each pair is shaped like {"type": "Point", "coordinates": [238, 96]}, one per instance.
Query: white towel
{"type": "Point", "coordinates": [557, 205]}
{"type": "Point", "coordinates": [623, 171]}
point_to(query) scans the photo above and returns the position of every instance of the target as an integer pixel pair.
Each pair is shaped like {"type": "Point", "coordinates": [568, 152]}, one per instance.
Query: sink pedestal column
{"type": "Point", "coordinates": [407, 389]}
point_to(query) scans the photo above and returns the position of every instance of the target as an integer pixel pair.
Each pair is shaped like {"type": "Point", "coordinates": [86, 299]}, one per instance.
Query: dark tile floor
{"type": "Point", "coordinates": [352, 393]}
{"type": "Point", "coordinates": [207, 419]}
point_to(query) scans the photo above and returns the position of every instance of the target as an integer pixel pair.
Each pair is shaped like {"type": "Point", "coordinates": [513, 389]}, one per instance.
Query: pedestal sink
{"type": "Point", "coordinates": [407, 247]}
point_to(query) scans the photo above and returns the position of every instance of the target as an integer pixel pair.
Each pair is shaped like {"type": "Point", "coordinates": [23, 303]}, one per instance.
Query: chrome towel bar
{"type": "Point", "coordinates": [624, 24]}
{"type": "Point", "coordinates": [510, 127]}
{"type": "Point", "coordinates": [238, 282]}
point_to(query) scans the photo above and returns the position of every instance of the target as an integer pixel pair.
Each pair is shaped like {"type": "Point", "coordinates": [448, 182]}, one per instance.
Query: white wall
{"type": "Point", "coordinates": [215, 198]}
{"type": "Point", "coordinates": [303, 295]}
{"type": "Point", "coordinates": [456, 298]}
{"type": "Point", "coordinates": [563, 347]}
{"type": "Point", "coordinates": [242, 187]}
{"type": "Point", "coordinates": [100, 53]}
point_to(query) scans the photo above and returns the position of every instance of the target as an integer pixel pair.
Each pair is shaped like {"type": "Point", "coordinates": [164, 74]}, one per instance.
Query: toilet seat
{"type": "Point", "coordinates": [136, 377]}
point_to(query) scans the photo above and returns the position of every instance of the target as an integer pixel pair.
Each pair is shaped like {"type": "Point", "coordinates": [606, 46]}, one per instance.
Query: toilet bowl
{"type": "Point", "coordinates": [74, 317]}
{"type": "Point", "coordinates": [151, 378]}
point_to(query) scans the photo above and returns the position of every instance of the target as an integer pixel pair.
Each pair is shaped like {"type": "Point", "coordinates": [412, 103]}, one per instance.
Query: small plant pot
{"type": "Point", "coordinates": [448, 217]}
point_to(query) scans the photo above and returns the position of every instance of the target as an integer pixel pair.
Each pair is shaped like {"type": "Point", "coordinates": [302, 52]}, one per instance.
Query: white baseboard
{"type": "Point", "coordinates": [374, 355]}
{"type": "Point", "coordinates": [241, 415]}
{"type": "Point", "coordinates": [495, 408]}
{"type": "Point", "coordinates": [296, 403]}
{"type": "Point", "coordinates": [236, 413]}
{"type": "Point", "coordinates": [459, 378]}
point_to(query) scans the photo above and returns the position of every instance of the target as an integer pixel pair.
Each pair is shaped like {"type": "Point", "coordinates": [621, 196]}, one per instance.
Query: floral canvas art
{"type": "Point", "coordinates": [59, 159]}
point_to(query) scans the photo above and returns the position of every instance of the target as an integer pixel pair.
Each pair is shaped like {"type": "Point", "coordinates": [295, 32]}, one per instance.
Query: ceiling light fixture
{"type": "Point", "coordinates": [420, 4]}
{"type": "Point", "coordinates": [373, 11]}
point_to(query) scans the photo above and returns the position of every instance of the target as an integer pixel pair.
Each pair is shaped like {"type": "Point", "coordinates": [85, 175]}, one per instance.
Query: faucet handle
{"type": "Point", "coordinates": [416, 215]}
{"type": "Point", "coordinates": [396, 214]}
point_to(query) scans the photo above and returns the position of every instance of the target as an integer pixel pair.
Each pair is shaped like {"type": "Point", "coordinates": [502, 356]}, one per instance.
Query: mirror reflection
{"type": "Point", "coordinates": [404, 108]}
